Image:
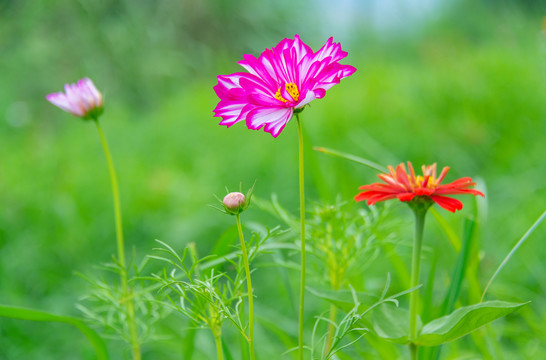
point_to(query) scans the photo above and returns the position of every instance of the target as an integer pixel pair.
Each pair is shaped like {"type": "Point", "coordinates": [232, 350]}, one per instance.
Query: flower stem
{"type": "Point", "coordinates": [302, 219]}
{"type": "Point", "coordinates": [218, 340]}
{"type": "Point", "coordinates": [413, 351]}
{"type": "Point", "coordinates": [415, 268]}
{"type": "Point", "coordinates": [126, 292]}
{"type": "Point", "coordinates": [249, 290]}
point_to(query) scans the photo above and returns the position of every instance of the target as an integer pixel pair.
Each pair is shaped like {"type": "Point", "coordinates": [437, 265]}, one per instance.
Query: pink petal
{"type": "Point", "coordinates": [229, 111]}
{"type": "Point", "coordinates": [91, 96]}
{"type": "Point", "coordinates": [308, 97]}
{"type": "Point", "coordinates": [74, 100]}
{"type": "Point", "coordinates": [273, 118]}
{"type": "Point", "coordinates": [59, 99]}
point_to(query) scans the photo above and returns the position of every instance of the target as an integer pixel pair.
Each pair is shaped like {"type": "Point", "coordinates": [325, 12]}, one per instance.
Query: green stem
{"type": "Point", "coordinates": [218, 340]}
{"type": "Point", "coordinates": [249, 290]}
{"type": "Point", "coordinates": [413, 351]}
{"type": "Point", "coordinates": [126, 292]}
{"type": "Point", "coordinates": [302, 217]}
{"type": "Point", "coordinates": [415, 268]}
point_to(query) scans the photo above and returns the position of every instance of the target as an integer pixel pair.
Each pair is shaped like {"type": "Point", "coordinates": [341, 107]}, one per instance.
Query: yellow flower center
{"type": "Point", "coordinates": [291, 89]}
{"type": "Point", "coordinates": [432, 182]}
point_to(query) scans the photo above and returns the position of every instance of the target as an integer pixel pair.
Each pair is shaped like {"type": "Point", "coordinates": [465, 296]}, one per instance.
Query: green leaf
{"type": "Point", "coordinates": [36, 315]}
{"type": "Point", "coordinates": [392, 323]}
{"type": "Point", "coordinates": [463, 321]}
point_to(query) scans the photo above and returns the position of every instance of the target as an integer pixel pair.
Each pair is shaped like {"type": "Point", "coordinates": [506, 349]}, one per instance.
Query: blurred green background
{"type": "Point", "coordinates": [460, 83]}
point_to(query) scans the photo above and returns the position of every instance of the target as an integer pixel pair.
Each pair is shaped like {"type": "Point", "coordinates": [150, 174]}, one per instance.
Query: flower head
{"type": "Point", "coordinates": [422, 189]}
{"type": "Point", "coordinates": [281, 81]}
{"type": "Point", "coordinates": [234, 202]}
{"type": "Point", "coordinates": [81, 99]}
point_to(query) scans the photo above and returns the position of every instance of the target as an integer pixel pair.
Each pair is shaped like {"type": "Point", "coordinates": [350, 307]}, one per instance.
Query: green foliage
{"type": "Point", "coordinates": [348, 325]}
{"type": "Point", "coordinates": [194, 288]}
{"type": "Point", "coordinates": [343, 239]}
{"type": "Point", "coordinates": [103, 305]}
{"type": "Point", "coordinates": [356, 307]}
{"type": "Point", "coordinates": [207, 299]}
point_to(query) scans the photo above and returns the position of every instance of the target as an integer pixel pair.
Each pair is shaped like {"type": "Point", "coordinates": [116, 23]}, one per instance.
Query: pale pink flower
{"type": "Point", "coordinates": [281, 81]}
{"type": "Point", "coordinates": [81, 99]}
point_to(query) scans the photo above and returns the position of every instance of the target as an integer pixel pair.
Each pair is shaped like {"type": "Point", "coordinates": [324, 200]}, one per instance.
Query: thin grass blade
{"type": "Point", "coordinates": [511, 253]}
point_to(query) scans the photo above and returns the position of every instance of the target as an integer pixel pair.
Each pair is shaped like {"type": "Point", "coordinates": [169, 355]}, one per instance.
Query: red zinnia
{"type": "Point", "coordinates": [406, 187]}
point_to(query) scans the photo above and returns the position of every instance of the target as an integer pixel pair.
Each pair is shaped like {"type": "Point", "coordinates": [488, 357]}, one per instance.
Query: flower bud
{"type": "Point", "coordinates": [234, 203]}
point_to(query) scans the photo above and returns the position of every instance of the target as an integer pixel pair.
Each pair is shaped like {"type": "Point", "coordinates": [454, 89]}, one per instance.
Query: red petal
{"type": "Point", "coordinates": [374, 196]}
{"type": "Point", "coordinates": [447, 203]}
{"type": "Point", "coordinates": [405, 196]}
{"type": "Point", "coordinates": [424, 191]}
{"type": "Point", "coordinates": [382, 187]}
{"type": "Point", "coordinates": [402, 177]}
{"type": "Point", "coordinates": [442, 175]}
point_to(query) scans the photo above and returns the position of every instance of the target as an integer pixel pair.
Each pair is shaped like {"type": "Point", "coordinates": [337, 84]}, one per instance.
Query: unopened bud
{"type": "Point", "coordinates": [234, 202]}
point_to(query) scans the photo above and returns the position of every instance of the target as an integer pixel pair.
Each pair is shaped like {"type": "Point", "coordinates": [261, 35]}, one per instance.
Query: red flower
{"type": "Point", "coordinates": [407, 187]}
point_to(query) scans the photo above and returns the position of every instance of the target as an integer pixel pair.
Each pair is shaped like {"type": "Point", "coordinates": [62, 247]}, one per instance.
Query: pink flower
{"type": "Point", "coordinates": [81, 99]}
{"type": "Point", "coordinates": [278, 83]}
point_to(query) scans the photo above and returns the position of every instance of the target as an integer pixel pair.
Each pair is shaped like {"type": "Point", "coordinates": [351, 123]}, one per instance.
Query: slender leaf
{"type": "Point", "coordinates": [354, 158]}
{"type": "Point", "coordinates": [35, 315]}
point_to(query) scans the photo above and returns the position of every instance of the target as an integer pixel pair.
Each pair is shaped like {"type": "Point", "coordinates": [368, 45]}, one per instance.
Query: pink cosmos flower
{"type": "Point", "coordinates": [81, 99]}
{"type": "Point", "coordinates": [281, 81]}
{"type": "Point", "coordinates": [408, 187]}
